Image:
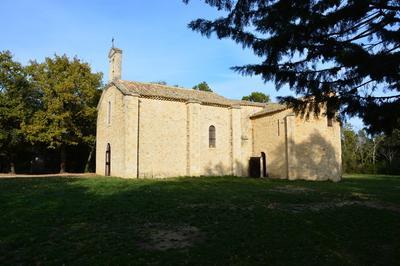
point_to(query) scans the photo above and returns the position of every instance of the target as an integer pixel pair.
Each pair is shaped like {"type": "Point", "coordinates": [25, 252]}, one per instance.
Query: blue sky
{"type": "Point", "coordinates": [153, 35]}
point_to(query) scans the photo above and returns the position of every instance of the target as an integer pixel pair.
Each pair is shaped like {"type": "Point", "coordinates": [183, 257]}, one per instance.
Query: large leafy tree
{"type": "Point", "coordinates": [69, 95]}
{"type": "Point", "coordinates": [257, 97]}
{"type": "Point", "coordinates": [359, 150]}
{"type": "Point", "coordinates": [17, 102]}
{"type": "Point", "coordinates": [363, 153]}
{"type": "Point", "coordinates": [344, 54]}
{"type": "Point", "coordinates": [349, 149]}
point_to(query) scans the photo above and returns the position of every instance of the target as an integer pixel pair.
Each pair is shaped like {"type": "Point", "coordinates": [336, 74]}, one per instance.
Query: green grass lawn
{"type": "Point", "coordinates": [210, 220]}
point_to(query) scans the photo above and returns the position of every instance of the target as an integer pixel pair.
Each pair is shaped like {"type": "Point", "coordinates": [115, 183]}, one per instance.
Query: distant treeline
{"type": "Point", "coordinates": [363, 153]}
{"type": "Point", "coordinates": [48, 121]}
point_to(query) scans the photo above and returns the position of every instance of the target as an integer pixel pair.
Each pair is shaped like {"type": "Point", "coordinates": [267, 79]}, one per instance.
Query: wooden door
{"type": "Point", "coordinates": [254, 167]}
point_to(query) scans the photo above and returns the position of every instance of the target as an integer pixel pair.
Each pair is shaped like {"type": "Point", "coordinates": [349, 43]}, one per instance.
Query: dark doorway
{"type": "Point", "coordinates": [254, 167]}
{"type": "Point", "coordinates": [108, 160]}
{"type": "Point", "coordinates": [264, 164]}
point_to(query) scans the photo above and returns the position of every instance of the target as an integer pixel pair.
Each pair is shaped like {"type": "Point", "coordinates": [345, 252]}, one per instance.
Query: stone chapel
{"type": "Point", "coordinates": [153, 131]}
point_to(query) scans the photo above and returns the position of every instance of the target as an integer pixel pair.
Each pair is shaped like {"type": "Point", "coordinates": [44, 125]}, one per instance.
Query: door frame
{"type": "Point", "coordinates": [264, 164]}
{"type": "Point", "coordinates": [108, 160]}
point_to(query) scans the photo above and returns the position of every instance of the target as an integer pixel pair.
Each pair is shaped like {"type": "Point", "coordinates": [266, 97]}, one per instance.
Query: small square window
{"type": "Point", "coordinates": [109, 113]}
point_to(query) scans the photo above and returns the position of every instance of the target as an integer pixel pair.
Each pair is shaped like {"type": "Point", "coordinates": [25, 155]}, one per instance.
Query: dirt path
{"type": "Point", "coordinates": [296, 208]}
{"type": "Point", "coordinates": [80, 175]}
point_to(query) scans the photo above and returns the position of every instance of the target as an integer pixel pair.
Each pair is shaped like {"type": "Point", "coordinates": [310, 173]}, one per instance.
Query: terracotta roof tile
{"type": "Point", "coordinates": [270, 108]}
{"type": "Point", "coordinates": [168, 92]}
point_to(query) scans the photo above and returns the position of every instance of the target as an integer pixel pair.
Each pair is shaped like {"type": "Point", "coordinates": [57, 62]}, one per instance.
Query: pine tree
{"type": "Point", "coordinates": [337, 53]}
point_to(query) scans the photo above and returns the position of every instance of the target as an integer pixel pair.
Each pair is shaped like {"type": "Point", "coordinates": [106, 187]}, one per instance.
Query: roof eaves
{"type": "Point", "coordinates": [120, 87]}
{"type": "Point", "coordinates": [248, 103]}
{"type": "Point", "coordinates": [125, 91]}
{"type": "Point", "coordinates": [266, 112]}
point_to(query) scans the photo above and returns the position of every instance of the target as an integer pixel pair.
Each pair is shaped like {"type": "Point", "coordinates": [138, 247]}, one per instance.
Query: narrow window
{"type": "Point", "coordinates": [278, 128]}
{"type": "Point", "coordinates": [109, 113]}
{"type": "Point", "coordinates": [112, 68]}
{"type": "Point", "coordinates": [211, 137]}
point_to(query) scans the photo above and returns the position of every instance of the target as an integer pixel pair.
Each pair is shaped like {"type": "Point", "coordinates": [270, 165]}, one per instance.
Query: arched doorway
{"type": "Point", "coordinates": [108, 160]}
{"type": "Point", "coordinates": [264, 164]}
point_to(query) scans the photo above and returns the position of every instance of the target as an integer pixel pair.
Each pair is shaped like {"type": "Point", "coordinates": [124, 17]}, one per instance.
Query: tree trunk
{"type": "Point", "coordinates": [89, 159]}
{"type": "Point", "coordinates": [12, 164]}
{"type": "Point", "coordinates": [63, 160]}
{"type": "Point", "coordinates": [374, 154]}
{"type": "Point", "coordinates": [12, 168]}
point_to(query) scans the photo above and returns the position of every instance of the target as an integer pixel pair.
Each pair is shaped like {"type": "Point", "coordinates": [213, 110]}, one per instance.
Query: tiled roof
{"type": "Point", "coordinates": [270, 108]}
{"type": "Point", "coordinates": [248, 103]}
{"type": "Point", "coordinates": [174, 93]}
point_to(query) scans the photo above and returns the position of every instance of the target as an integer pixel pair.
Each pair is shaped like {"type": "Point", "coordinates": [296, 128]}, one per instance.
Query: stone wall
{"type": "Point", "coordinates": [112, 133]}
{"type": "Point", "coordinates": [159, 138]}
{"type": "Point", "coordinates": [131, 115]}
{"type": "Point", "coordinates": [298, 148]}
{"type": "Point", "coordinates": [174, 139]}
{"type": "Point", "coordinates": [246, 137]}
{"type": "Point", "coordinates": [218, 160]}
{"type": "Point", "coordinates": [269, 136]}
{"type": "Point", "coordinates": [317, 149]}
{"type": "Point", "coordinates": [162, 138]}
{"type": "Point", "coordinates": [115, 62]}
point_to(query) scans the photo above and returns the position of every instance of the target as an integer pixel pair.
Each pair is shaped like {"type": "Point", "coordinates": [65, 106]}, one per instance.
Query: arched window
{"type": "Point", "coordinates": [211, 137]}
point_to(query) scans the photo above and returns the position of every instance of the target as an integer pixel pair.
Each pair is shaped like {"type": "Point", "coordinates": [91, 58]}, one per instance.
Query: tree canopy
{"type": "Point", "coordinates": [202, 86]}
{"type": "Point", "coordinates": [363, 153]}
{"type": "Point", "coordinates": [343, 54]}
{"type": "Point", "coordinates": [16, 104]}
{"type": "Point", "coordinates": [257, 97]}
{"type": "Point", "coordinates": [68, 99]}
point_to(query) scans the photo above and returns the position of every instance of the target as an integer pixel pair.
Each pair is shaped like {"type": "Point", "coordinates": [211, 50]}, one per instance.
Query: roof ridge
{"type": "Point", "coordinates": [272, 108]}
{"type": "Point", "coordinates": [172, 87]}
{"type": "Point", "coordinates": [160, 90]}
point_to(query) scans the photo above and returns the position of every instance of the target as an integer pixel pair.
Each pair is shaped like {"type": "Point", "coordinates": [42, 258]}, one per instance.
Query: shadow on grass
{"type": "Point", "coordinates": [105, 220]}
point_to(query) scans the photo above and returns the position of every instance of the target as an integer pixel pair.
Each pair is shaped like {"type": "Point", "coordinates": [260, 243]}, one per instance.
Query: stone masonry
{"type": "Point", "coordinates": [157, 131]}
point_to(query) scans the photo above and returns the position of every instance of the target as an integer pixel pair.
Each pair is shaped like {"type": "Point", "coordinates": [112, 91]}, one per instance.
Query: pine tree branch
{"type": "Point", "coordinates": [380, 98]}
{"type": "Point", "coordinates": [386, 7]}
{"type": "Point", "coordinates": [375, 15]}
